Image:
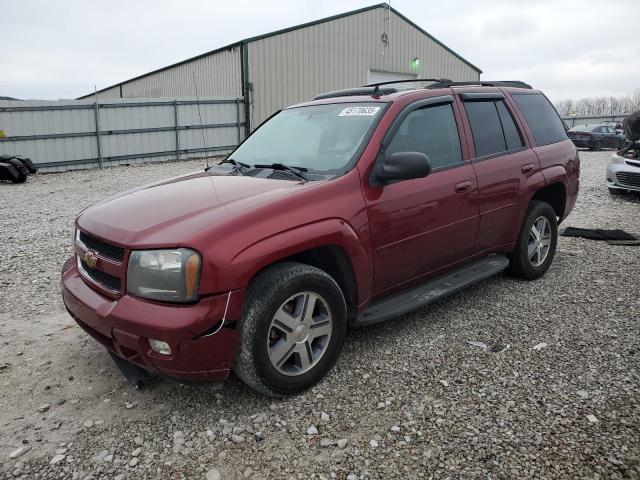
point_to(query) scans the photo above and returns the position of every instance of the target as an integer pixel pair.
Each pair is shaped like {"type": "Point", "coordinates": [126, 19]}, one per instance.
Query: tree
{"type": "Point", "coordinates": [604, 106]}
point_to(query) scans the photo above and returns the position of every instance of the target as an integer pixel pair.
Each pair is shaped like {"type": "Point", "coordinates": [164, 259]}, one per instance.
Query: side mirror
{"type": "Point", "coordinates": [402, 166]}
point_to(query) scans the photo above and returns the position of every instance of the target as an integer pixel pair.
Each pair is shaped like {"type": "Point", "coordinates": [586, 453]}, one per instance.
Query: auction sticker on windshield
{"type": "Point", "coordinates": [359, 111]}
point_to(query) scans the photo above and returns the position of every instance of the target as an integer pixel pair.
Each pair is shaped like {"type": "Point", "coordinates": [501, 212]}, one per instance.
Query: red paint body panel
{"type": "Point", "coordinates": [392, 235]}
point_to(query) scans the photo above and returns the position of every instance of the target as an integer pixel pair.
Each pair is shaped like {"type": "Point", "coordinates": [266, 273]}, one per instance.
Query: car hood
{"type": "Point", "coordinates": [169, 212]}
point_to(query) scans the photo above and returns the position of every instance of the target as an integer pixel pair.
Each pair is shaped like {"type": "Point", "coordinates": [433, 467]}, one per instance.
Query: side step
{"type": "Point", "coordinates": [434, 289]}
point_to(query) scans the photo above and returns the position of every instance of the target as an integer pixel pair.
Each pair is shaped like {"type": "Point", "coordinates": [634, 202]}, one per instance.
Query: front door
{"type": "Point", "coordinates": [420, 225]}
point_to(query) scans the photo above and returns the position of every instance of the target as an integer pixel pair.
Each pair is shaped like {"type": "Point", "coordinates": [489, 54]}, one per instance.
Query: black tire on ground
{"type": "Point", "coordinates": [9, 172]}
{"type": "Point", "coordinates": [520, 264]}
{"type": "Point", "coordinates": [31, 168]}
{"type": "Point", "coordinates": [617, 191]}
{"type": "Point", "coordinates": [19, 166]}
{"type": "Point", "coordinates": [268, 291]}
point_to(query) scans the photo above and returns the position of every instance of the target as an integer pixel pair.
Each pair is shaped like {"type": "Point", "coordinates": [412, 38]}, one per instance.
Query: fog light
{"type": "Point", "coordinates": [160, 347]}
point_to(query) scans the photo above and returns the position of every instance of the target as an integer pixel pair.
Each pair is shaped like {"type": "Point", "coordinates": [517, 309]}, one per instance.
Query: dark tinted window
{"type": "Point", "coordinates": [542, 118]}
{"type": "Point", "coordinates": [432, 131]}
{"type": "Point", "coordinates": [486, 127]}
{"type": "Point", "coordinates": [511, 133]}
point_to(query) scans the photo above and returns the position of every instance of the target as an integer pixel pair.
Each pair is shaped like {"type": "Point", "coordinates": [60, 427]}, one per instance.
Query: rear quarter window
{"type": "Point", "coordinates": [544, 121]}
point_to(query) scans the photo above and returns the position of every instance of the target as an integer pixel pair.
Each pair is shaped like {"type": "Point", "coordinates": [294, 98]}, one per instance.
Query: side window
{"type": "Point", "coordinates": [431, 130]}
{"type": "Point", "coordinates": [486, 127]}
{"type": "Point", "coordinates": [511, 134]}
{"type": "Point", "coordinates": [544, 121]}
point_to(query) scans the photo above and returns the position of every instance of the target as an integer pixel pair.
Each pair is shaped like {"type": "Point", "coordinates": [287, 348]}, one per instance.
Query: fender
{"type": "Point", "coordinates": [333, 231]}
{"type": "Point", "coordinates": [555, 174]}
{"type": "Point", "coordinates": [547, 176]}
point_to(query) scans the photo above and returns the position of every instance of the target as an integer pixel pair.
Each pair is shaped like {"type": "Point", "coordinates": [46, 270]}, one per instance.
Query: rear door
{"type": "Point", "coordinates": [503, 165]}
{"type": "Point", "coordinates": [418, 226]}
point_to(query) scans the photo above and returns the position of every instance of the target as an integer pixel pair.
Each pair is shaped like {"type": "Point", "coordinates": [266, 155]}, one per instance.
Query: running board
{"type": "Point", "coordinates": [434, 289]}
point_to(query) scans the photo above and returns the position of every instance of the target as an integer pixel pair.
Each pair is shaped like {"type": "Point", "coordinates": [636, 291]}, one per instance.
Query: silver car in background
{"type": "Point", "coordinates": [623, 171]}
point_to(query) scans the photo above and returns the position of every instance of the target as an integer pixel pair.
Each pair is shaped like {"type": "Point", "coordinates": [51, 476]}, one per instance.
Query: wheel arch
{"type": "Point", "coordinates": [330, 245]}
{"type": "Point", "coordinates": [555, 194]}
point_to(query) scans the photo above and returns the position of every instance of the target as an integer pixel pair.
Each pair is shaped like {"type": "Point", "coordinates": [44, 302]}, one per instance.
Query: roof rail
{"type": "Point", "coordinates": [481, 83]}
{"type": "Point", "coordinates": [408, 80]}
{"type": "Point", "coordinates": [373, 91]}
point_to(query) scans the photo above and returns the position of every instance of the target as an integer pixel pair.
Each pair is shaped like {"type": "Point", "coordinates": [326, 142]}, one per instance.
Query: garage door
{"type": "Point", "coordinates": [378, 76]}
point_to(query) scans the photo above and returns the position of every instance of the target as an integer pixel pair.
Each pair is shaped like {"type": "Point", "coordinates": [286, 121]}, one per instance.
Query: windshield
{"type": "Point", "coordinates": [322, 138]}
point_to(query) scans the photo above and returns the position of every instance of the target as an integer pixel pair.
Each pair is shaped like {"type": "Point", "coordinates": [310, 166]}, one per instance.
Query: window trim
{"type": "Point", "coordinates": [407, 110]}
{"type": "Point", "coordinates": [480, 97]}
{"type": "Point", "coordinates": [471, 96]}
{"type": "Point", "coordinates": [515, 124]}
{"type": "Point", "coordinates": [534, 141]}
{"type": "Point", "coordinates": [473, 138]}
{"type": "Point", "coordinates": [397, 122]}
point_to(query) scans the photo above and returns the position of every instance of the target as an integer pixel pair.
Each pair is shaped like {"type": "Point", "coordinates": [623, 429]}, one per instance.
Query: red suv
{"type": "Point", "coordinates": [352, 209]}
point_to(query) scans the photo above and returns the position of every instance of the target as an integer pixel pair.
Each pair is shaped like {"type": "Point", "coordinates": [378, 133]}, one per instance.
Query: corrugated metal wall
{"type": "Point", "coordinates": [62, 135]}
{"type": "Point", "coordinates": [216, 75]}
{"type": "Point", "coordinates": [297, 65]}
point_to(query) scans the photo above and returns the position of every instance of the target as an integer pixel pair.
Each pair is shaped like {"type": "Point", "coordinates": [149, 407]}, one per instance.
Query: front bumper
{"type": "Point", "coordinates": [203, 345]}
{"type": "Point", "coordinates": [623, 176]}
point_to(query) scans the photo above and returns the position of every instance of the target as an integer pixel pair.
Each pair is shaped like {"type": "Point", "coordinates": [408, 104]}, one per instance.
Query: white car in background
{"type": "Point", "coordinates": [623, 171]}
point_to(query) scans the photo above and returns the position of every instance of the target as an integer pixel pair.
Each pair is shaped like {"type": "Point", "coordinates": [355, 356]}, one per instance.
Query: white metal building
{"type": "Point", "coordinates": [288, 66]}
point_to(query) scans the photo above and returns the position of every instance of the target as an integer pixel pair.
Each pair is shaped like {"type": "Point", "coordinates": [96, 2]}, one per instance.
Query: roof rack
{"type": "Point", "coordinates": [481, 83]}
{"type": "Point", "coordinates": [408, 80]}
{"type": "Point", "coordinates": [373, 89]}
{"type": "Point", "coordinates": [348, 92]}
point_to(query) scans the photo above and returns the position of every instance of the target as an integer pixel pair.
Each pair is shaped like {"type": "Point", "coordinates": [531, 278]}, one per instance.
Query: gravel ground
{"type": "Point", "coordinates": [408, 399]}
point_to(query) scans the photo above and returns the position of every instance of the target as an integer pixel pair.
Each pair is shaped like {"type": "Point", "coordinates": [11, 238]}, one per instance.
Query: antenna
{"type": "Point", "coordinates": [204, 146]}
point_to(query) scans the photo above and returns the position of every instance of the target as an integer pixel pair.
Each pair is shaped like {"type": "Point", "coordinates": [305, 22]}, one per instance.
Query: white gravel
{"type": "Point", "coordinates": [408, 399]}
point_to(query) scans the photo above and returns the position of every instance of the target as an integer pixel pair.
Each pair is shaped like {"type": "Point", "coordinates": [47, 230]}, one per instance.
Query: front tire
{"type": "Point", "coordinates": [536, 244]}
{"type": "Point", "coordinates": [292, 329]}
{"type": "Point", "coordinates": [617, 192]}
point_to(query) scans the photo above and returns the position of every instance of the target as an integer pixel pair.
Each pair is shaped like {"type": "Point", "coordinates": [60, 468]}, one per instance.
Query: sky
{"type": "Point", "coordinates": [62, 49]}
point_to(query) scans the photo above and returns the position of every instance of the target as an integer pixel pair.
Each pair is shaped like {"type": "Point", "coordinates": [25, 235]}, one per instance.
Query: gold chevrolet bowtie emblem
{"type": "Point", "coordinates": [90, 259]}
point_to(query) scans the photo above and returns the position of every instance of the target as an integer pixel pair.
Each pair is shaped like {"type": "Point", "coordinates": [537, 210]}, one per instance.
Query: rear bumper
{"type": "Point", "coordinates": [582, 143]}
{"type": "Point", "coordinates": [202, 346]}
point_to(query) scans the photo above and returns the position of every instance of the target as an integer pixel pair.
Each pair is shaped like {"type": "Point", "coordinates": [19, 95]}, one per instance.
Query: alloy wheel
{"type": "Point", "coordinates": [539, 241]}
{"type": "Point", "coordinates": [299, 333]}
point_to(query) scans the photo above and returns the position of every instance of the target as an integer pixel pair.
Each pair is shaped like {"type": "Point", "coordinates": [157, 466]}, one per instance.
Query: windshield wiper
{"type": "Point", "coordinates": [238, 165]}
{"type": "Point", "coordinates": [295, 171]}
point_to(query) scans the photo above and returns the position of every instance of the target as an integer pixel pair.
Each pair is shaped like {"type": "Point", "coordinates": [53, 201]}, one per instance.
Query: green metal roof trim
{"type": "Point", "coordinates": [290, 29]}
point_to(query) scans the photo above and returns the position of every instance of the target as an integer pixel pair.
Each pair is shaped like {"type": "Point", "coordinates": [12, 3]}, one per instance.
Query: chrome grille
{"type": "Point", "coordinates": [104, 279]}
{"type": "Point", "coordinates": [630, 179]}
{"type": "Point", "coordinates": [102, 248]}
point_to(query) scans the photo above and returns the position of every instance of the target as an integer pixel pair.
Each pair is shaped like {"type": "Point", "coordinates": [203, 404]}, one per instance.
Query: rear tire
{"type": "Point", "coordinates": [536, 245]}
{"type": "Point", "coordinates": [277, 329]}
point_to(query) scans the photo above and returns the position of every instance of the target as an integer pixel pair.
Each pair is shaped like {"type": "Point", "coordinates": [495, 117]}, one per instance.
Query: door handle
{"type": "Point", "coordinates": [528, 169]}
{"type": "Point", "coordinates": [463, 187]}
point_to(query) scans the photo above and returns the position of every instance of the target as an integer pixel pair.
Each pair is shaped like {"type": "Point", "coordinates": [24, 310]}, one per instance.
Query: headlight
{"type": "Point", "coordinates": [165, 275]}
{"type": "Point", "coordinates": [617, 159]}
